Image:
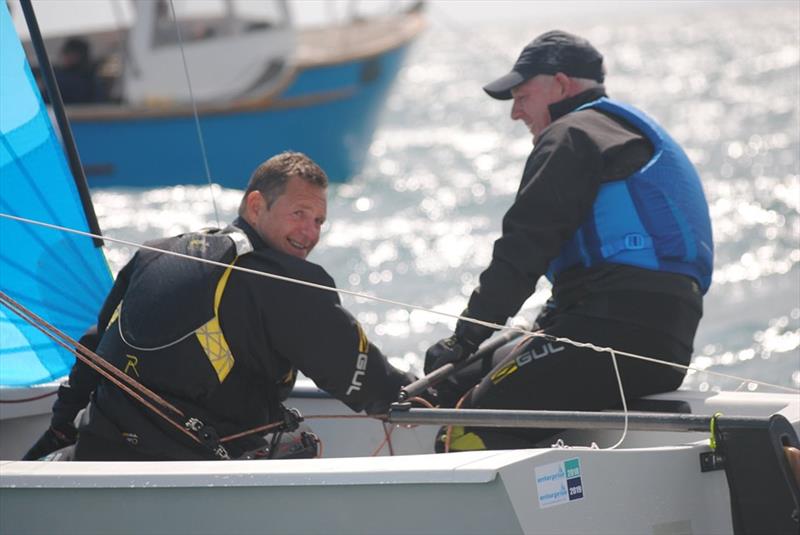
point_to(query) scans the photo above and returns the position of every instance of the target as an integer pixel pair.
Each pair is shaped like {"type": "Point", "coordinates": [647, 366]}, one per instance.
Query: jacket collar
{"type": "Point", "coordinates": [563, 107]}
{"type": "Point", "coordinates": [252, 234]}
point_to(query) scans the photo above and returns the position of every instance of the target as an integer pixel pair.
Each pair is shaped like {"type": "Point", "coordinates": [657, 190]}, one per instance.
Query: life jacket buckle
{"type": "Point", "coordinates": [634, 242]}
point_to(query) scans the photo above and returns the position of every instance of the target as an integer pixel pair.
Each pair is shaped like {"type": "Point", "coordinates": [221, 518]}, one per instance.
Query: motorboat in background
{"type": "Point", "coordinates": [259, 84]}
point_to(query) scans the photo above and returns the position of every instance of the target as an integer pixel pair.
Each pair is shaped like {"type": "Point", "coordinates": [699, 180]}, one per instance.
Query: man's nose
{"type": "Point", "coordinates": [515, 111]}
{"type": "Point", "coordinates": [311, 229]}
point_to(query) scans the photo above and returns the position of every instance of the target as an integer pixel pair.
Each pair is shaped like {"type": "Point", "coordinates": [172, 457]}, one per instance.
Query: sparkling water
{"type": "Point", "coordinates": [417, 225]}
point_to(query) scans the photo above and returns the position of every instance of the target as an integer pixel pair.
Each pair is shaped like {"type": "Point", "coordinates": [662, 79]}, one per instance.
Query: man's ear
{"type": "Point", "coordinates": [254, 204]}
{"type": "Point", "coordinates": [563, 82]}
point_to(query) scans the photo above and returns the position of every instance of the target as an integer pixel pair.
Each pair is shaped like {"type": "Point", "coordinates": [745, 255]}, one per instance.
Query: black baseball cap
{"type": "Point", "coordinates": [551, 52]}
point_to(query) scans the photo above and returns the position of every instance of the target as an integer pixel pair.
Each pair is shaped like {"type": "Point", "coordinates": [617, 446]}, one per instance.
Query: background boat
{"type": "Point", "coordinates": [261, 86]}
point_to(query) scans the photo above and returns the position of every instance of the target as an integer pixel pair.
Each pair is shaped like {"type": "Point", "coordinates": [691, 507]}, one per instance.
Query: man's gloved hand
{"type": "Point", "coordinates": [468, 336]}
{"type": "Point", "coordinates": [446, 350]}
{"type": "Point", "coordinates": [52, 440]}
{"type": "Point", "coordinates": [378, 407]}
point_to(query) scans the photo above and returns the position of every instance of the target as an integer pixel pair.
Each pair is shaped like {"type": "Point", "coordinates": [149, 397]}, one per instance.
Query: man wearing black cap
{"type": "Point", "coordinates": [611, 210]}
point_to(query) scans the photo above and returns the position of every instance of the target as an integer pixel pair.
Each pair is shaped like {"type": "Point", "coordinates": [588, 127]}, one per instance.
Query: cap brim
{"type": "Point", "coordinates": [501, 88]}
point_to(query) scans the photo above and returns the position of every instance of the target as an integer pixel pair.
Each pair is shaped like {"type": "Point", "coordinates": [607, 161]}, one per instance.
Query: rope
{"type": "Point", "coordinates": [624, 402]}
{"type": "Point", "coordinates": [388, 433]}
{"type": "Point", "coordinates": [587, 345]}
{"type": "Point", "coordinates": [387, 439]}
{"type": "Point", "coordinates": [194, 111]}
{"type": "Point", "coordinates": [449, 435]}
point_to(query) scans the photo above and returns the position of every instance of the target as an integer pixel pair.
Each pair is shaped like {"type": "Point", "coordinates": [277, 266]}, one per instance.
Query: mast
{"type": "Point", "coordinates": [61, 118]}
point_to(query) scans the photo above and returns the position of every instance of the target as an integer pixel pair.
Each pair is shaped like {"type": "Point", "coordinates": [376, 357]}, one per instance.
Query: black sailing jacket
{"type": "Point", "coordinates": [164, 336]}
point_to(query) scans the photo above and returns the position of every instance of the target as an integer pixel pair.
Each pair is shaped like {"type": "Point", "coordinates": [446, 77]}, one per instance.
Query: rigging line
{"type": "Point", "coordinates": [196, 114]}
{"type": "Point", "coordinates": [498, 327]}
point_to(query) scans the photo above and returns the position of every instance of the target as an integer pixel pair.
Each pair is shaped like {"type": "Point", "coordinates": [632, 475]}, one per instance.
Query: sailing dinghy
{"type": "Point", "coordinates": [690, 463]}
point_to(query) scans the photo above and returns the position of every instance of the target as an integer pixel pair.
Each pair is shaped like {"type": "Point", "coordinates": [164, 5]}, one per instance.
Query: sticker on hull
{"type": "Point", "coordinates": [559, 483]}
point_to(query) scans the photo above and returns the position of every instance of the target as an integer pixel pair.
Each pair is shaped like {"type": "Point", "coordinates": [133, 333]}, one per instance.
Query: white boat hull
{"type": "Point", "coordinates": [653, 485]}
{"type": "Point", "coordinates": [652, 490]}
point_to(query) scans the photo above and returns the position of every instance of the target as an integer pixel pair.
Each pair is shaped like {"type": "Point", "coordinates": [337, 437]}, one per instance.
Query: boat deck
{"type": "Point", "coordinates": [357, 40]}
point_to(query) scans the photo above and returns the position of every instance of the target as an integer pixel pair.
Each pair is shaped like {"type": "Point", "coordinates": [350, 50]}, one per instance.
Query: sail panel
{"type": "Point", "coordinates": [60, 276]}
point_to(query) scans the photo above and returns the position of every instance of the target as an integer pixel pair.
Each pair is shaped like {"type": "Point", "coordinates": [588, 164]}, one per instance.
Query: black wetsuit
{"type": "Point", "coordinates": [631, 309]}
{"type": "Point", "coordinates": [161, 338]}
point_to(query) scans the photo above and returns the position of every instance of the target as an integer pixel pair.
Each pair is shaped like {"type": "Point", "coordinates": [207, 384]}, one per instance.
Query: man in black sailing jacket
{"type": "Point", "coordinates": [221, 345]}
{"type": "Point", "coordinates": [610, 209]}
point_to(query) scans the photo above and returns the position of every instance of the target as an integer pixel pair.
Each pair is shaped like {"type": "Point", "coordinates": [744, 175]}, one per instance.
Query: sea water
{"type": "Point", "coordinates": [418, 223]}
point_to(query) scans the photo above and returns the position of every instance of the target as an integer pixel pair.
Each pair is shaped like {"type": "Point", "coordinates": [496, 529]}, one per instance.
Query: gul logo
{"type": "Point", "coordinates": [535, 353]}
{"type": "Point", "coordinates": [361, 361]}
{"type": "Point", "coordinates": [559, 483]}
{"type": "Point", "coordinates": [361, 369]}
{"type": "Point", "coordinates": [528, 356]}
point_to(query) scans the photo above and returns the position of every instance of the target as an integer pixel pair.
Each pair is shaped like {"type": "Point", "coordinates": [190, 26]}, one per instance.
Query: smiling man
{"type": "Point", "coordinates": [612, 211]}
{"type": "Point", "coordinates": [286, 204]}
{"type": "Point", "coordinates": [222, 345]}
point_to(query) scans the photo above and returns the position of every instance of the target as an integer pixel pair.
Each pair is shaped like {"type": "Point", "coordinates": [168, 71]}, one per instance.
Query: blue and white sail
{"type": "Point", "coordinates": [60, 276]}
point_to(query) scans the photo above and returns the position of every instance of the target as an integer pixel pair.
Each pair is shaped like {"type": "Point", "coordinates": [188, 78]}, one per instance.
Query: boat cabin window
{"type": "Point", "coordinates": [211, 19]}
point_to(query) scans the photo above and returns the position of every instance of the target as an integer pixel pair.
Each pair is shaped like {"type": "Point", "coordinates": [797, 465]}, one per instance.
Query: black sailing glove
{"type": "Point", "coordinates": [468, 336]}
{"type": "Point", "coordinates": [52, 440]}
{"type": "Point", "coordinates": [381, 406]}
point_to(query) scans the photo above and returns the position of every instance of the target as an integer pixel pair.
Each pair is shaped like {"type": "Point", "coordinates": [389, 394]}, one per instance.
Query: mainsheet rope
{"type": "Point", "coordinates": [498, 327]}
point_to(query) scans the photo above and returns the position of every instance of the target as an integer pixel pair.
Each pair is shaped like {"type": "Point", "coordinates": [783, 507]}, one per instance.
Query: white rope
{"type": "Point", "coordinates": [196, 114]}
{"type": "Point", "coordinates": [599, 349]}
{"type": "Point", "coordinates": [624, 402]}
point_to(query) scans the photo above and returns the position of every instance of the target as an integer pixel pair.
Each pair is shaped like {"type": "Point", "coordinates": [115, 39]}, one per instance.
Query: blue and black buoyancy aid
{"type": "Point", "coordinates": [657, 218]}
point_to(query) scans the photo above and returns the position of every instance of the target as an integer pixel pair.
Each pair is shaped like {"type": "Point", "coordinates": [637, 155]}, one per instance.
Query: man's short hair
{"type": "Point", "coordinates": [271, 177]}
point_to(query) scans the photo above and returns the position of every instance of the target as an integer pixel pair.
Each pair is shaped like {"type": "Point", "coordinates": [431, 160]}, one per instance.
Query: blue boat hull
{"type": "Point", "coordinates": [328, 112]}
